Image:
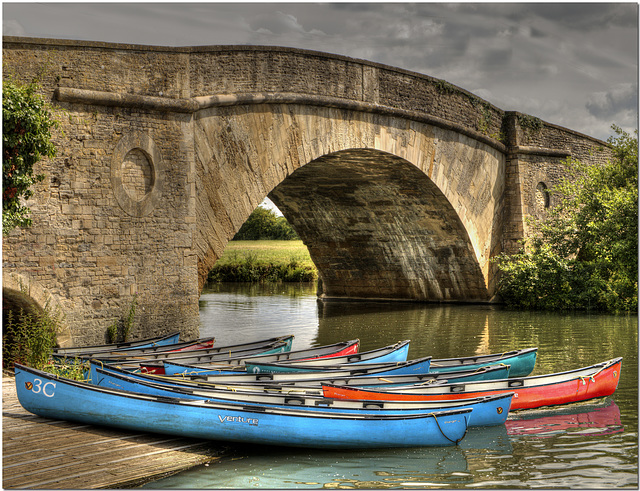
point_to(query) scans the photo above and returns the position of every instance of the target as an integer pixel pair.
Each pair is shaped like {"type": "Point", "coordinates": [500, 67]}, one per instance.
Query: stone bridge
{"type": "Point", "coordinates": [402, 186]}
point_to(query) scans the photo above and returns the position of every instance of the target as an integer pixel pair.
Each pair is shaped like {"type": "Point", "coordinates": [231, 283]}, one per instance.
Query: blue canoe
{"type": "Point", "coordinates": [184, 346]}
{"type": "Point", "coordinates": [59, 398]}
{"type": "Point", "coordinates": [127, 345]}
{"type": "Point", "coordinates": [389, 354]}
{"type": "Point", "coordinates": [488, 411]}
{"type": "Point", "coordinates": [521, 361]}
{"type": "Point", "coordinates": [524, 361]}
{"type": "Point", "coordinates": [223, 375]}
{"type": "Point", "coordinates": [267, 382]}
{"type": "Point", "coordinates": [224, 351]}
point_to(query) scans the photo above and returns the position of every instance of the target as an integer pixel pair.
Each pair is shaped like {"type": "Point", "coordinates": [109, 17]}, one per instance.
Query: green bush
{"type": "Point", "coordinates": [249, 270]}
{"type": "Point", "coordinates": [26, 138]}
{"type": "Point", "coordinates": [264, 224]}
{"type": "Point", "coordinates": [120, 329]}
{"type": "Point", "coordinates": [584, 254]}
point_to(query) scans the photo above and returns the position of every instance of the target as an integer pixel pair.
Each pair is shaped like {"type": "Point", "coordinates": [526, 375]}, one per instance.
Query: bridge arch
{"type": "Point", "coordinates": [377, 227]}
{"type": "Point", "coordinates": [22, 295]}
{"type": "Point", "coordinates": [432, 192]}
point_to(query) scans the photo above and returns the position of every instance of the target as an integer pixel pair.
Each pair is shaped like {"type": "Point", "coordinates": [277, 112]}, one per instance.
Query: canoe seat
{"type": "Point", "coordinates": [294, 401]}
{"type": "Point", "coordinates": [372, 405]}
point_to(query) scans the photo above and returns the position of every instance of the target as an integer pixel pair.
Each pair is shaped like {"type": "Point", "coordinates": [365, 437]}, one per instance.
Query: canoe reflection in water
{"type": "Point", "coordinates": [601, 418]}
{"type": "Point", "coordinates": [284, 468]}
{"type": "Point", "coordinates": [416, 468]}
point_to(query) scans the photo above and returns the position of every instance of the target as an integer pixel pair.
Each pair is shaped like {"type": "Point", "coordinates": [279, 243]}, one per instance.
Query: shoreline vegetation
{"type": "Point", "coordinates": [261, 261]}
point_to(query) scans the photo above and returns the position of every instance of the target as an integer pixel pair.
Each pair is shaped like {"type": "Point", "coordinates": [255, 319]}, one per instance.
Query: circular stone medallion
{"type": "Point", "coordinates": [135, 175]}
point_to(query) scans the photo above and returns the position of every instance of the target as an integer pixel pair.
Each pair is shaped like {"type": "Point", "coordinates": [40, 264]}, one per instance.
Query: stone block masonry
{"type": "Point", "coordinates": [403, 186]}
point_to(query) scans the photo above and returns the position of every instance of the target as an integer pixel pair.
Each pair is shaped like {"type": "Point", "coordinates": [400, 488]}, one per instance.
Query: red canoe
{"type": "Point", "coordinates": [598, 380]}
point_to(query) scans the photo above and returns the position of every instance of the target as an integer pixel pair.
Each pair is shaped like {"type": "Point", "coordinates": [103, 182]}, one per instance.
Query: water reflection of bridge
{"type": "Point", "coordinates": [431, 328]}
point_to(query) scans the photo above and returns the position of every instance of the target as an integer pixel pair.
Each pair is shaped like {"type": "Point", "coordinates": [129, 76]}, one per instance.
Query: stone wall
{"type": "Point", "coordinates": [112, 221]}
{"type": "Point", "coordinates": [164, 152]}
{"type": "Point", "coordinates": [537, 152]}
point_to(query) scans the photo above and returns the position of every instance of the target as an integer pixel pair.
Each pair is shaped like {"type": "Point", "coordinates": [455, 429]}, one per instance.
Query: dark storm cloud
{"type": "Point", "coordinates": [573, 64]}
{"type": "Point", "coordinates": [613, 102]}
{"type": "Point", "coordinates": [584, 15]}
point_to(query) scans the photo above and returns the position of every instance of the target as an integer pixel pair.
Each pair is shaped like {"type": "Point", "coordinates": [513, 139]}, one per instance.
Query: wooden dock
{"type": "Point", "coordinates": [50, 454]}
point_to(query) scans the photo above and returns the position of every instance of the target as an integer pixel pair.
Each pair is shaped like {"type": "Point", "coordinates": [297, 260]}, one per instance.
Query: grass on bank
{"type": "Point", "coordinates": [264, 261]}
{"type": "Point", "coordinates": [29, 339]}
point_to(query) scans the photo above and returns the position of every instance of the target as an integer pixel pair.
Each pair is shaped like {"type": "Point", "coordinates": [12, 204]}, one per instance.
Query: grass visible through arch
{"type": "Point", "coordinates": [264, 260]}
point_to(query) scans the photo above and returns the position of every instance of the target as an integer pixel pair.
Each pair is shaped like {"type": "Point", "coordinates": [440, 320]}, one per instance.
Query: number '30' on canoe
{"type": "Point", "coordinates": [60, 398]}
{"type": "Point", "coordinates": [598, 380]}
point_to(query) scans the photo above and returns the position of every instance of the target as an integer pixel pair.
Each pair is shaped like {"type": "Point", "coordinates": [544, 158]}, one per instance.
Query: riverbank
{"type": "Point", "coordinates": [255, 261]}
{"type": "Point", "coordinates": [51, 454]}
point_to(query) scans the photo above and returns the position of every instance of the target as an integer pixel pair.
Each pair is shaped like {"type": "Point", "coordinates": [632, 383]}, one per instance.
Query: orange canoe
{"type": "Point", "coordinates": [598, 380]}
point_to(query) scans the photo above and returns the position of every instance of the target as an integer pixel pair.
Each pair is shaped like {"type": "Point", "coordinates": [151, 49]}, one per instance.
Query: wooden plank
{"type": "Point", "coordinates": [42, 453]}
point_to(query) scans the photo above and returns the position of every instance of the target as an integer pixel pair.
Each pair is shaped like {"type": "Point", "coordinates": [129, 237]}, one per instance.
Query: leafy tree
{"type": "Point", "coordinates": [264, 224]}
{"type": "Point", "coordinates": [584, 254]}
{"type": "Point", "coordinates": [26, 138]}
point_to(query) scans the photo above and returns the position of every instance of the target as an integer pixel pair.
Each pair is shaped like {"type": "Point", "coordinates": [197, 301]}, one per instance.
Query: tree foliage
{"type": "Point", "coordinates": [584, 254]}
{"type": "Point", "coordinates": [26, 138]}
{"type": "Point", "coordinates": [264, 224]}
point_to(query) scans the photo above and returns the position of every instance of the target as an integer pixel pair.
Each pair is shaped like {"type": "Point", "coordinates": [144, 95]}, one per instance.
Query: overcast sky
{"type": "Point", "coordinates": [572, 64]}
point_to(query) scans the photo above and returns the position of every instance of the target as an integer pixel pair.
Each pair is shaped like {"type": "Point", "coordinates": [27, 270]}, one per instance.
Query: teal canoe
{"type": "Point", "coordinates": [521, 361]}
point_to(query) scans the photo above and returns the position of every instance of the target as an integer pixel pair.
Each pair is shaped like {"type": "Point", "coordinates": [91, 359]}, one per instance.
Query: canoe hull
{"type": "Point", "coordinates": [68, 400]}
{"type": "Point", "coordinates": [573, 389]}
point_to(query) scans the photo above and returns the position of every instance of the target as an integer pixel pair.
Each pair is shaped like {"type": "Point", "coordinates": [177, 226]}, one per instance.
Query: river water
{"type": "Point", "coordinates": [591, 445]}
